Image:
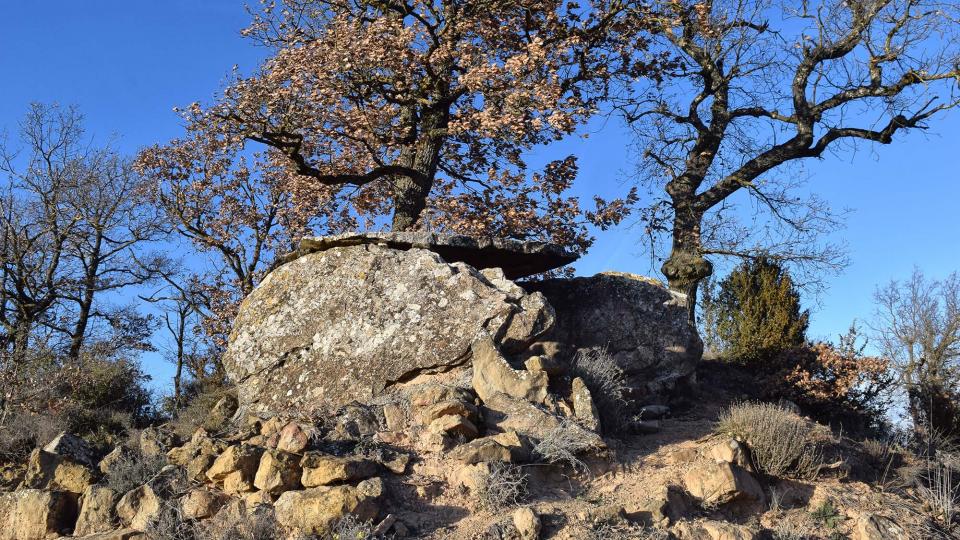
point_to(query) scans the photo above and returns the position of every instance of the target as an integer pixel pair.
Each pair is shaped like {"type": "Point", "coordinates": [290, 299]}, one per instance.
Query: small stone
{"type": "Point", "coordinates": [138, 507]}
{"type": "Point", "coordinates": [292, 439]}
{"type": "Point", "coordinates": [584, 409]}
{"type": "Point", "coordinates": [508, 447]}
{"type": "Point", "coordinates": [877, 527]}
{"type": "Point", "coordinates": [243, 458]}
{"type": "Point", "coordinates": [454, 425]}
{"type": "Point", "coordinates": [527, 523]}
{"type": "Point", "coordinates": [279, 471]}
{"type": "Point", "coordinates": [237, 483]}
{"type": "Point", "coordinates": [721, 483]}
{"type": "Point", "coordinates": [96, 511]}
{"type": "Point", "coordinates": [322, 469]}
{"type": "Point", "coordinates": [201, 503]}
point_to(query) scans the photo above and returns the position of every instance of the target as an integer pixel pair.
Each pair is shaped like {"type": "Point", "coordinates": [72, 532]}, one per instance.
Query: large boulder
{"type": "Point", "coordinates": [32, 514]}
{"type": "Point", "coordinates": [349, 322]}
{"type": "Point", "coordinates": [642, 325]}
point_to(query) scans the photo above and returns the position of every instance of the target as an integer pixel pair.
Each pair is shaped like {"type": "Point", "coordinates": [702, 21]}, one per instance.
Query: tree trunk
{"type": "Point", "coordinates": [411, 194]}
{"type": "Point", "coordinates": [686, 266]}
{"type": "Point", "coordinates": [85, 305]}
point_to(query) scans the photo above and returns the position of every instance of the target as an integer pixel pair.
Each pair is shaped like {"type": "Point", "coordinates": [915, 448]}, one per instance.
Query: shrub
{"type": "Point", "coordinates": [199, 403]}
{"type": "Point", "coordinates": [939, 489]}
{"type": "Point", "coordinates": [504, 486]}
{"type": "Point", "coordinates": [562, 445]}
{"type": "Point", "coordinates": [133, 469]}
{"type": "Point", "coordinates": [350, 528]}
{"type": "Point", "coordinates": [781, 443]}
{"type": "Point", "coordinates": [757, 312]}
{"type": "Point", "coordinates": [607, 384]}
{"type": "Point", "coordinates": [22, 431]}
{"type": "Point", "coordinates": [621, 530]}
{"type": "Point", "coordinates": [834, 384]}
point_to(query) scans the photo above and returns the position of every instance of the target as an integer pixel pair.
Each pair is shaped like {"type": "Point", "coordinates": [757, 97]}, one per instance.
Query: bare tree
{"type": "Point", "coordinates": [759, 86]}
{"type": "Point", "coordinates": [918, 322]}
{"type": "Point", "coordinates": [37, 222]}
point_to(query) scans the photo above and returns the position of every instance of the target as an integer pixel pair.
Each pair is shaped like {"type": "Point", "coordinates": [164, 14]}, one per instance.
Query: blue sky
{"type": "Point", "coordinates": [126, 64]}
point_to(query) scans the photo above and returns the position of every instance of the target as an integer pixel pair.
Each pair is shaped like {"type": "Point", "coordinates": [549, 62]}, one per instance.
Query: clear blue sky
{"type": "Point", "coordinates": [127, 63]}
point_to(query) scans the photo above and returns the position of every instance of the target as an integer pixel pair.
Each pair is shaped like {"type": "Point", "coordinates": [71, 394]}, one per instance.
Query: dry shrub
{"type": "Point", "coordinates": [938, 489]}
{"type": "Point", "coordinates": [170, 524]}
{"type": "Point", "coordinates": [504, 486]}
{"type": "Point", "coordinates": [195, 413]}
{"type": "Point", "coordinates": [621, 530]}
{"type": "Point", "coordinates": [781, 443]}
{"type": "Point", "coordinates": [607, 384]}
{"type": "Point", "coordinates": [22, 431]}
{"type": "Point", "coordinates": [562, 445]}
{"type": "Point", "coordinates": [350, 528]}
{"type": "Point", "coordinates": [132, 470]}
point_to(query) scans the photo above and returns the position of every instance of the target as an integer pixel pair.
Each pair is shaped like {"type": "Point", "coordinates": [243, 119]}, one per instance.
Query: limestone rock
{"type": "Point", "coordinates": [279, 471]}
{"type": "Point", "coordinates": [46, 470]}
{"type": "Point", "coordinates": [138, 507]}
{"type": "Point", "coordinates": [292, 438]}
{"type": "Point", "coordinates": [584, 409]}
{"type": "Point", "coordinates": [454, 425]}
{"type": "Point", "coordinates": [201, 503]}
{"type": "Point", "coordinates": [221, 413]}
{"type": "Point", "coordinates": [96, 511]}
{"type": "Point", "coordinates": [527, 523]}
{"type": "Point", "coordinates": [113, 459]}
{"type": "Point", "coordinates": [323, 469]}
{"type": "Point", "coordinates": [516, 258]}
{"type": "Point", "coordinates": [876, 527]}
{"type": "Point", "coordinates": [642, 324]}
{"type": "Point", "coordinates": [237, 483]}
{"type": "Point", "coordinates": [503, 414]}
{"type": "Point", "coordinates": [71, 447]}
{"type": "Point", "coordinates": [315, 510]}
{"type": "Point", "coordinates": [492, 374]}
{"type": "Point", "coordinates": [721, 483]}
{"type": "Point", "coordinates": [243, 459]}
{"type": "Point", "coordinates": [305, 337]}
{"type": "Point", "coordinates": [729, 450]}
{"type": "Point", "coordinates": [156, 441]}
{"type": "Point", "coordinates": [119, 534]}
{"type": "Point", "coordinates": [712, 530]}
{"type": "Point", "coordinates": [32, 514]}
{"type": "Point", "coordinates": [509, 447]}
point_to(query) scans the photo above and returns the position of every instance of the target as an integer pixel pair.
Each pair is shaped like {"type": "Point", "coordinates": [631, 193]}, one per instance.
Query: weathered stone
{"type": "Point", "coordinates": [516, 258]}
{"type": "Point", "coordinates": [355, 421]}
{"type": "Point", "coordinates": [877, 527]}
{"type": "Point", "coordinates": [492, 374]}
{"type": "Point", "coordinates": [323, 469]}
{"type": "Point", "coordinates": [643, 326]}
{"type": "Point", "coordinates": [712, 530]}
{"type": "Point", "coordinates": [509, 447]}
{"type": "Point", "coordinates": [73, 448]}
{"type": "Point", "coordinates": [31, 514]}
{"type": "Point", "coordinates": [197, 467]}
{"type": "Point", "coordinates": [221, 413]}
{"type": "Point", "coordinates": [237, 483]}
{"type": "Point", "coordinates": [243, 459]}
{"type": "Point", "coordinates": [584, 409]}
{"type": "Point", "coordinates": [155, 441]}
{"type": "Point", "coordinates": [119, 534]}
{"type": "Point", "coordinates": [527, 523]}
{"type": "Point", "coordinates": [305, 337]}
{"type": "Point", "coordinates": [201, 503]}
{"type": "Point", "coordinates": [428, 414]}
{"type": "Point", "coordinates": [454, 425]}
{"type": "Point", "coordinates": [46, 470]}
{"type": "Point", "coordinates": [729, 450]}
{"type": "Point", "coordinates": [503, 413]}
{"type": "Point", "coordinates": [279, 471]}
{"type": "Point", "coordinates": [112, 459]}
{"type": "Point", "coordinates": [315, 510]}
{"type": "Point", "coordinates": [256, 499]}
{"type": "Point", "coordinates": [292, 438]}
{"type": "Point", "coordinates": [96, 511]}
{"type": "Point", "coordinates": [138, 507]}
{"type": "Point", "coordinates": [721, 483]}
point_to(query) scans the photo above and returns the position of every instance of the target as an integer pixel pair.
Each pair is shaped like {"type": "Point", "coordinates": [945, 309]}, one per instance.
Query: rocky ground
{"type": "Point", "coordinates": [426, 472]}
{"type": "Point", "coordinates": [384, 391]}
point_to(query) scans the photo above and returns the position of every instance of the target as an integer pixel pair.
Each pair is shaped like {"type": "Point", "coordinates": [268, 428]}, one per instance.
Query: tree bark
{"type": "Point", "coordinates": [686, 266]}
{"type": "Point", "coordinates": [411, 193]}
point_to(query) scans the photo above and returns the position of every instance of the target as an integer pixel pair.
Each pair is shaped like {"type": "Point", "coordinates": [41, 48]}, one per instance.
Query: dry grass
{"type": "Point", "coordinates": [505, 486]}
{"type": "Point", "coordinates": [781, 443]}
{"type": "Point", "coordinates": [607, 384]}
{"type": "Point", "coordinates": [132, 470]}
{"type": "Point", "coordinates": [940, 491]}
{"type": "Point", "coordinates": [563, 444]}
{"type": "Point", "coordinates": [621, 530]}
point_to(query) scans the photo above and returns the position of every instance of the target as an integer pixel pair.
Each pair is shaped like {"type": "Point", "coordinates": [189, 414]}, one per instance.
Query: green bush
{"type": "Point", "coordinates": [756, 312]}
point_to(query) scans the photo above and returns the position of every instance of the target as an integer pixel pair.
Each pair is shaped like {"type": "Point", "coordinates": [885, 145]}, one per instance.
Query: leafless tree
{"type": "Point", "coordinates": [761, 85]}
{"type": "Point", "coordinates": [918, 323]}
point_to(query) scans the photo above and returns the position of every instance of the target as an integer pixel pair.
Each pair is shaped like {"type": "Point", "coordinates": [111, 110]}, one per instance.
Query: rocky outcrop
{"type": "Point", "coordinates": [347, 323]}
{"type": "Point", "coordinates": [642, 325]}
{"type": "Point", "coordinates": [31, 514]}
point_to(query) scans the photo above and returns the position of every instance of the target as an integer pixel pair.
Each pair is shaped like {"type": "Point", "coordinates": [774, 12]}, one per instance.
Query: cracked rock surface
{"type": "Point", "coordinates": [345, 324]}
